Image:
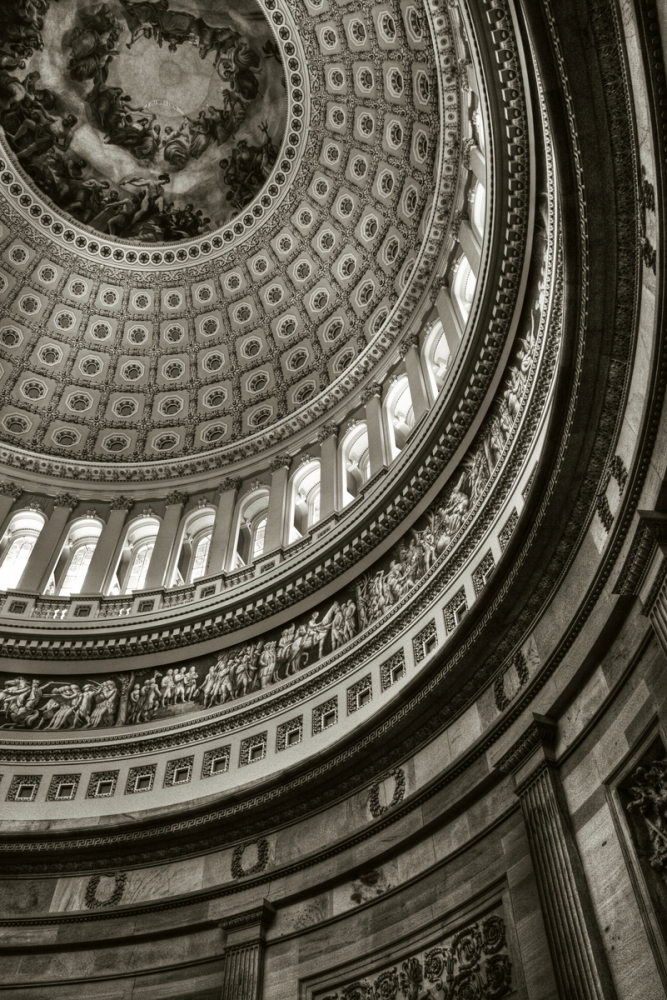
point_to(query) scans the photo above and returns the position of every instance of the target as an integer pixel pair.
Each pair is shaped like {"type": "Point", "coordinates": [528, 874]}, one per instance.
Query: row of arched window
{"type": "Point", "coordinates": [189, 560]}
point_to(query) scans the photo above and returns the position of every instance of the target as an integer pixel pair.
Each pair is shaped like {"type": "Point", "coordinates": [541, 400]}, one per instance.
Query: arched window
{"type": "Point", "coordinates": [251, 526]}
{"type": "Point", "coordinates": [478, 129]}
{"type": "Point", "coordinates": [189, 561]}
{"type": "Point", "coordinates": [135, 556]}
{"type": "Point", "coordinates": [355, 461]}
{"type": "Point", "coordinates": [141, 557]}
{"type": "Point", "coordinates": [305, 506]}
{"type": "Point", "coordinates": [17, 544]}
{"type": "Point", "coordinates": [200, 557]}
{"type": "Point", "coordinates": [478, 208]}
{"type": "Point", "coordinates": [436, 355]}
{"type": "Point", "coordinates": [70, 570]}
{"type": "Point", "coordinates": [464, 286]}
{"type": "Point", "coordinates": [400, 417]}
{"type": "Point", "coordinates": [258, 538]}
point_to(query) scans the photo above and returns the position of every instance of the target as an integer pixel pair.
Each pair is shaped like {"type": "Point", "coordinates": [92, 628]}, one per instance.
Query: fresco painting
{"type": "Point", "coordinates": [155, 120]}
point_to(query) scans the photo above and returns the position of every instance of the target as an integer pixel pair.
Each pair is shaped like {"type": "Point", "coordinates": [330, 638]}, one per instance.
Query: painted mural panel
{"type": "Point", "coordinates": [154, 121]}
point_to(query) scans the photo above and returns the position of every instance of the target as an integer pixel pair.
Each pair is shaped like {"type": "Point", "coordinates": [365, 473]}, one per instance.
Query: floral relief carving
{"type": "Point", "coordinates": [472, 964]}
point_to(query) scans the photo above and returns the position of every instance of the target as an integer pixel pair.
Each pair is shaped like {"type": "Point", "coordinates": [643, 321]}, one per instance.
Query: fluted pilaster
{"type": "Point", "coordinates": [580, 962]}
{"type": "Point", "coordinates": [244, 952]}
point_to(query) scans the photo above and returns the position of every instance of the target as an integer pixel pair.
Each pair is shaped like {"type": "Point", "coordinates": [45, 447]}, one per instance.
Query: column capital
{"type": "Point", "coordinates": [467, 146]}
{"type": "Point", "coordinates": [66, 500]}
{"type": "Point", "coordinates": [231, 483]}
{"type": "Point", "coordinates": [411, 341]}
{"type": "Point", "coordinates": [371, 390]}
{"type": "Point", "coordinates": [532, 751]}
{"type": "Point", "coordinates": [327, 431]}
{"type": "Point", "coordinates": [280, 462]}
{"type": "Point", "coordinates": [177, 497]}
{"type": "Point", "coordinates": [457, 222]}
{"type": "Point", "coordinates": [258, 917]}
{"type": "Point", "coordinates": [10, 490]}
{"type": "Point", "coordinates": [121, 503]}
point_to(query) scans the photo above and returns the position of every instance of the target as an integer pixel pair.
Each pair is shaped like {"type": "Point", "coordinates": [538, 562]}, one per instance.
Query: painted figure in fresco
{"type": "Point", "coordinates": [247, 168]}
{"type": "Point", "coordinates": [38, 134]}
{"type": "Point", "coordinates": [92, 44]}
{"type": "Point", "coordinates": [241, 70]}
{"type": "Point", "coordinates": [156, 21]}
{"type": "Point", "coordinates": [176, 146]}
{"type": "Point", "coordinates": [40, 122]}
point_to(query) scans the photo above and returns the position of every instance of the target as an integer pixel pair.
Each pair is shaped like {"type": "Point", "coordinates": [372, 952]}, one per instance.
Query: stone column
{"type": "Point", "coordinates": [449, 320]}
{"type": "Point", "coordinates": [36, 574]}
{"type": "Point", "coordinates": [9, 493]}
{"type": "Point", "coordinates": [477, 163]}
{"type": "Point", "coordinates": [276, 514]}
{"type": "Point", "coordinates": [244, 952]}
{"type": "Point", "coordinates": [165, 541]}
{"type": "Point", "coordinates": [218, 554]}
{"type": "Point", "coordinates": [100, 564]}
{"type": "Point", "coordinates": [329, 470]}
{"type": "Point", "coordinates": [470, 246]}
{"type": "Point", "coordinates": [579, 959]}
{"type": "Point", "coordinates": [377, 448]}
{"type": "Point", "coordinates": [416, 380]}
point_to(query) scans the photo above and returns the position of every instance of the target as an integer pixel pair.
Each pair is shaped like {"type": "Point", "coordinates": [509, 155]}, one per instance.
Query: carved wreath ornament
{"type": "Point", "coordinates": [472, 965]}
{"type": "Point", "coordinates": [374, 804]}
{"type": "Point", "coordinates": [238, 871]}
{"type": "Point", "coordinates": [90, 898]}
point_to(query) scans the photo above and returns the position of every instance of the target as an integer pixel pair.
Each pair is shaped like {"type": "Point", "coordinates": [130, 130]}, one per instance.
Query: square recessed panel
{"type": "Point", "coordinates": [101, 330]}
{"type": "Point", "coordinates": [305, 217]}
{"type": "Point", "coordinates": [68, 437]}
{"type": "Point", "coordinates": [125, 406]}
{"type": "Point", "coordinates": [7, 284]}
{"type": "Point", "coordinates": [234, 283]}
{"type": "Point", "coordinates": [78, 289]}
{"type": "Point", "coordinates": [19, 256]}
{"type": "Point", "coordinates": [285, 244]}
{"type": "Point", "coordinates": [109, 298]}
{"type": "Point", "coordinates": [29, 304]}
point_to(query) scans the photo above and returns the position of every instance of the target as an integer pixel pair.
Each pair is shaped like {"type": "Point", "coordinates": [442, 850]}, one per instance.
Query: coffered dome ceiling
{"type": "Point", "coordinates": [281, 319]}
{"type": "Point", "coordinates": [219, 219]}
